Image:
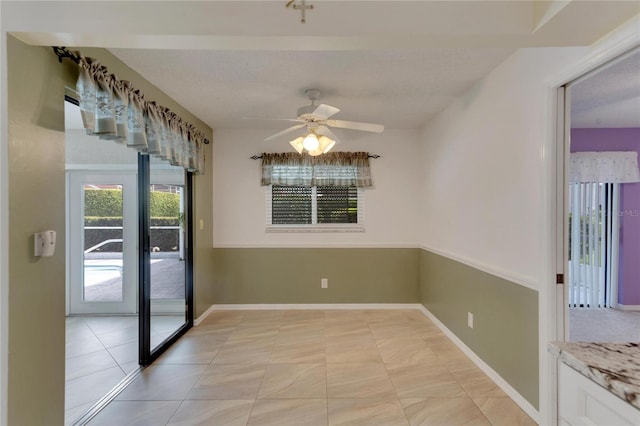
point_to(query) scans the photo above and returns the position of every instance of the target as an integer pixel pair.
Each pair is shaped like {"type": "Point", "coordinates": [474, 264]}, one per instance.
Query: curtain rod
{"type": "Point", "coordinates": [257, 157]}
{"type": "Point", "coordinates": [62, 52]}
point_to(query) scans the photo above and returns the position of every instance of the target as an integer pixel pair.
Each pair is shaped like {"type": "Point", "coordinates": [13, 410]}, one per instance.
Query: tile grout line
{"type": "Point", "coordinates": [255, 398]}
{"type": "Point", "coordinates": [104, 349]}
{"type": "Point", "coordinates": [186, 393]}
{"type": "Point", "coordinates": [174, 413]}
{"type": "Point", "coordinates": [394, 385]}
{"type": "Point", "coordinates": [469, 395]}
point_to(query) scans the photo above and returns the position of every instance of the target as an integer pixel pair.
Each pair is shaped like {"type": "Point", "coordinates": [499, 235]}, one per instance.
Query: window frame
{"type": "Point", "coordinates": [313, 226]}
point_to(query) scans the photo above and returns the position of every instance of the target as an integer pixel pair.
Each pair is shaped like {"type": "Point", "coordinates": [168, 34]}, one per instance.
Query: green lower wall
{"type": "Point", "coordinates": [505, 333]}
{"type": "Point", "coordinates": [292, 275]}
{"type": "Point", "coordinates": [36, 325]}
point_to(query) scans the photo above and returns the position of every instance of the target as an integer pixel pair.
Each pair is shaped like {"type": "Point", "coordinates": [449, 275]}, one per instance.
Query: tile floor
{"type": "Point", "coordinates": [100, 352]}
{"type": "Point", "coordinates": [334, 367]}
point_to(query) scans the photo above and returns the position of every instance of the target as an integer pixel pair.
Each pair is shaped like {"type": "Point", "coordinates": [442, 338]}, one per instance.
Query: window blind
{"type": "Point", "coordinates": [593, 244]}
{"type": "Point", "coordinates": [337, 204]}
{"type": "Point", "coordinates": [291, 205]}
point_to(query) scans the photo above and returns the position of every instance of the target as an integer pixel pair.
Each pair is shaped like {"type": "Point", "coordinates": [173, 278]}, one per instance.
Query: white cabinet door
{"type": "Point", "coordinates": [583, 402]}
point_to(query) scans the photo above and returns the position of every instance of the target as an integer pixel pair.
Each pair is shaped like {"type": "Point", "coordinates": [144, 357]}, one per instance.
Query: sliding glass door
{"type": "Point", "coordinates": [165, 255]}
{"type": "Point", "coordinates": [129, 223]}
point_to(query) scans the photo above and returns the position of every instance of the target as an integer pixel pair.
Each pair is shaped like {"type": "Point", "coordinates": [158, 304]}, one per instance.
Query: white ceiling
{"type": "Point", "coordinates": [610, 97]}
{"type": "Point", "coordinates": [392, 62]}
{"type": "Point", "coordinates": [399, 89]}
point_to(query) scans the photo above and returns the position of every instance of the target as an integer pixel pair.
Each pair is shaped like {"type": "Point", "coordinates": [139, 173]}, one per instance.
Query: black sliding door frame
{"type": "Point", "coordinates": [147, 354]}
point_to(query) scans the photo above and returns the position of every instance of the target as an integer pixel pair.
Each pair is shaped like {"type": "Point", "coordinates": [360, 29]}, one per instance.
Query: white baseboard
{"type": "Point", "coordinates": [506, 387]}
{"type": "Point", "coordinates": [205, 314]}
{"type": "Point", "coordinates": [285, 306]}
{"type": "Point", "coordinates": [628, 307]}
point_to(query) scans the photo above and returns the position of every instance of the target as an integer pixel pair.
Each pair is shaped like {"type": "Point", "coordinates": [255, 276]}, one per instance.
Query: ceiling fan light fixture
{"type": "Point", "coordinates": [297, 144]}
{"type": "Point", "coordinates": [311, 142]}
{"type": "Point", "coordinates": [323, 144]}
{"type": "Point", "coordinates": [326, 144]}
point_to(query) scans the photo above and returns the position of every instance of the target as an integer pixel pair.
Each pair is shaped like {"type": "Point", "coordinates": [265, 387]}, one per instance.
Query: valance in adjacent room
{"type": "Point", "coordinates": [605, 167]}
{"type": "Point", "coordinates": [114, 110]}
{"type": "Point", "coordinates": [331, 169]}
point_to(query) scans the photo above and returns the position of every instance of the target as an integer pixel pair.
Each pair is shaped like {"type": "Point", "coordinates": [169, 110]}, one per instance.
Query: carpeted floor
{"type": "Point", "coordinates": [603, 325]}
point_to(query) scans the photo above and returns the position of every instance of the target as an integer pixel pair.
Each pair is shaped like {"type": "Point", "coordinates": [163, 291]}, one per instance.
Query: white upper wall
{"type": "Point", "coordinates": [391, 206]}
{"type": "Point", "coordinates": [482, 174]}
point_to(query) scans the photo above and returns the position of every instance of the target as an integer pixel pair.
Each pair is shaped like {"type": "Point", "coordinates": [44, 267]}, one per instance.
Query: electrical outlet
{"type": "Point", "coordinates": [324, 283]}
{"type": "Point", "coordinates": [470, 319]}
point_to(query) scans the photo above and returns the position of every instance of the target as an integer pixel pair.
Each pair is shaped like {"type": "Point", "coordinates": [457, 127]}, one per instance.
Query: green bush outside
{"type": "Point", "coordinates": [103, 208]}
{"type": "Point", "coordinates": [164, 204]}
{"type": "Point", "coordinates": [108, 203]}
{"type": "Point", "coordinates": [103, 202]}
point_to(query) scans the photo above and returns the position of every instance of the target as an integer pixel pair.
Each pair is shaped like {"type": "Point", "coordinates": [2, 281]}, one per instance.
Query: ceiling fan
{"type": "Point", "coordinates": [320, 139]}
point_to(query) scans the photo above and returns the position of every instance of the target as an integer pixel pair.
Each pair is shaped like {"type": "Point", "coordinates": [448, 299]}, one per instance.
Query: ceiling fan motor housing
{"type": "Point", "coordinates": [316, 119]}
{"type": "Point", "coordinates": [306, 112]}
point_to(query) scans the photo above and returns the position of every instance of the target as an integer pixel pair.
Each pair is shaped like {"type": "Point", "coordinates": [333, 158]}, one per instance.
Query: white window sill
{"type": "Point", "coordinates": [314, 228]}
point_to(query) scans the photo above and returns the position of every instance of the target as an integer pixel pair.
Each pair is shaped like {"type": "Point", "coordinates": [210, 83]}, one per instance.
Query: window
{"type": "Point", "coordinates": [337, 204]}
{"type": "Point", "coordinates": [315, 194]}
{"type": "Point", "coordinates": [313, 208]}
{"type": "Point", "coordinates": [291, 205]}
{"type": "Point", "coordinates": [593, 243]}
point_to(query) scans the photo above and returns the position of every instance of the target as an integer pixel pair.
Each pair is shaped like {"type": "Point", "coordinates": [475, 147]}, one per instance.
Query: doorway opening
{"type": "Point", "coordinates": [129, 270]}
{"type": "Point", "coordinates": [602, 137]}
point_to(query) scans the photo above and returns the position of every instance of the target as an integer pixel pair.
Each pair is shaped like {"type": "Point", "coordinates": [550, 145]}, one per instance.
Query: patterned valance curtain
{"type": "Point", "coordinates": [114, 110]}
{"type": "Point", "coordinates": [604, 166]}
{"type": "Point", "coordinates": [331, 169]}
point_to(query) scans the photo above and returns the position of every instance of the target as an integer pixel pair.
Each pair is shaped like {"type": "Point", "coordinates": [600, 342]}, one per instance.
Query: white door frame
{"type": "Point", "coordinates": [75, 246]}
{"type": "Point", "coordinates": [550, 318]}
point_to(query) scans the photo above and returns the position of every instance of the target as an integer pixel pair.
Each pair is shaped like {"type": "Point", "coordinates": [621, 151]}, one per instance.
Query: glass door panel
{"type": "Point", "coordinates": [165, 273]}
{"type": "Point", "coordinates": [166, 237]}
{"type": "Point", "coordinates": [103, 218]}
{"type": "Point", "coordinates": [102, 243]}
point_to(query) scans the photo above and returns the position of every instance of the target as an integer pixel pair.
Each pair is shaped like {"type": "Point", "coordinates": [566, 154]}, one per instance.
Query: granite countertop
{"type": "Point", "coordinates": [614, 366]}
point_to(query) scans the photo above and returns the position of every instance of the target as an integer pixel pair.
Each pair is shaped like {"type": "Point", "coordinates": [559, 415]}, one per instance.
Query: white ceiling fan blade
{"type": "Point", "coordinates": [325, 131]}
{"type": "Point", "coordinates": [285, 131]}
{"type": "Point", "coordinates": [295, 120]}
{"type": "Point", "coordinates": [325, 111]}
{"type": "Point", "coordinates": [354, 125]}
